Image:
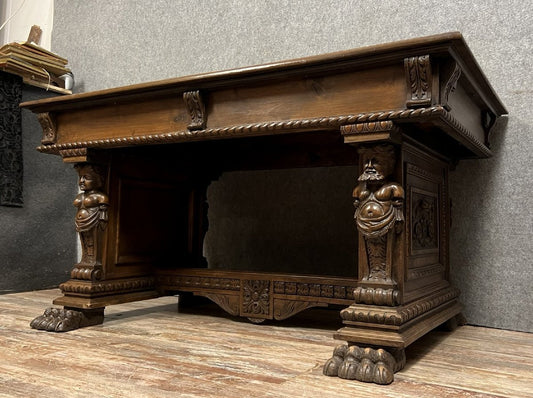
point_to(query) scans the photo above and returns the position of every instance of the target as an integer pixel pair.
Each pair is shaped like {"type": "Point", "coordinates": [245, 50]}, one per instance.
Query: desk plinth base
{"type": "Point", "coordinates": [84, 302]}
{"type": "Point", "coordinates": [375, 351]}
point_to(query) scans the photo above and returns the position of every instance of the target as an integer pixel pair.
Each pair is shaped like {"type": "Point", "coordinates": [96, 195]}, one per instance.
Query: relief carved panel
{"type": "Point", "coordinates": [425, 221]}
{"type": "Point", "coordinates": [255, 298]}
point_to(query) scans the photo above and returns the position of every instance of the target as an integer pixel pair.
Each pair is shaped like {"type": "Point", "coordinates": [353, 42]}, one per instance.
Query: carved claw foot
{"type": "Point", "coordinates": [63, 320]}
{"type": "Point", "coordinates": [365, 364]}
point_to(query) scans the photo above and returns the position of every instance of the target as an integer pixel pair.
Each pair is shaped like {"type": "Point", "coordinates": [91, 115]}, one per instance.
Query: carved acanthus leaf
{"type": "Point", "coordinates": [418, 73]}
{"type": "Point", "coordinates": [195, 106]}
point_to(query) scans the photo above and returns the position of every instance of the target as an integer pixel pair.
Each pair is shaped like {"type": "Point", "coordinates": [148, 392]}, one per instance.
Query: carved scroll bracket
{"type": "Point", "coordinates": [451, 75]}
{"type": "Point", "coordinates": [48, 124]}
{"type": "Point", "coordinates": [418, 75]}
{"type": "Point", "coordinates": [196, 107]}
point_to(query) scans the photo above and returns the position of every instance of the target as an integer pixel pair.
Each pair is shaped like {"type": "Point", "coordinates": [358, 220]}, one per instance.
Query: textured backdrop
{"type": "Point", "coordinates": [111, 43]}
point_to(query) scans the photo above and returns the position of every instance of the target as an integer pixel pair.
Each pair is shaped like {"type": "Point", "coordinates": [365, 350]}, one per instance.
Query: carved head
{"type": "Point", "coordinates": [90, 176]}
{"type": "Point", "coordinates": [378, 162]}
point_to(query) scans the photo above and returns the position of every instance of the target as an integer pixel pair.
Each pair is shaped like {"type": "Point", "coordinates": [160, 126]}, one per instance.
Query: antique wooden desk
{"type": "Point", "coordinates": [145, 154]}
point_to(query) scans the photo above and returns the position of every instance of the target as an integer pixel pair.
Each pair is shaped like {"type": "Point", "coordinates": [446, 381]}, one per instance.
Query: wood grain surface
{"type": "Point", "coordinates": [150, 349]}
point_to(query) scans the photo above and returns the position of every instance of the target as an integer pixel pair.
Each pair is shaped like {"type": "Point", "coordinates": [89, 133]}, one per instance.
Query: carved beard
{"type": "Point", "coordinates": [371, 176]}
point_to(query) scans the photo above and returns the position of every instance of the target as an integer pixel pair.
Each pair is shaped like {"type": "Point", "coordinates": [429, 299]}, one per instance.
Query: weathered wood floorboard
{"type": "Point", "coordinates": [149, 349]}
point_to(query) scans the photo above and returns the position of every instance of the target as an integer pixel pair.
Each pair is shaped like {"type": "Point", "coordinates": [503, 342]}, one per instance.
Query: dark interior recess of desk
{"type": "Point", "coordinates": [160, 193]}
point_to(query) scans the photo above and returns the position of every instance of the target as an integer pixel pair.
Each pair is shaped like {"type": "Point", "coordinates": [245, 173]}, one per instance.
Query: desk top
{"type": "Point", "coordinates": [431, 88]}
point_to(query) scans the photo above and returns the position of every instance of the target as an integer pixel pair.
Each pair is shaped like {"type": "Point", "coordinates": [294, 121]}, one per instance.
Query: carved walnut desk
{"type": "Point", "coordinates": [404, 112]}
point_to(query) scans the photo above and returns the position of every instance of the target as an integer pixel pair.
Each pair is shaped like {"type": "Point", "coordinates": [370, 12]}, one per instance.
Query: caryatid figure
{"type": "Point", "coordinates": [91, 216]}
{"type": "Point", "coordinates": [378, 204]}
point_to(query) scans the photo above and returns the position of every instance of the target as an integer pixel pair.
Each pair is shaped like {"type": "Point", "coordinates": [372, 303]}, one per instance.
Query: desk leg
{"type": "Point", "coordinates": [91, 222]}
{"type": "Point", "coordinates": [402, 290]}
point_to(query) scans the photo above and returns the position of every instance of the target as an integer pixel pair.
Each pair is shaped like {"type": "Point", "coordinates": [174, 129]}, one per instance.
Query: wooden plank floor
{"type": "Point", "coordinates": [149, 349]}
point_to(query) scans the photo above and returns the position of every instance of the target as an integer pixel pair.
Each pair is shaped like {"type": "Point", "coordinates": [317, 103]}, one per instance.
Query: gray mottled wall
{"type": "Point", "coordinates": [37, 241]}
{"type": "Point", "coordinates": [111, 43]}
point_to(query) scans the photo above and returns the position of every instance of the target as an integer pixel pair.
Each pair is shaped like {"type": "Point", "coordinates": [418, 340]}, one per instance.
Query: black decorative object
{"type": "Point", "coordinates": [11, 170]}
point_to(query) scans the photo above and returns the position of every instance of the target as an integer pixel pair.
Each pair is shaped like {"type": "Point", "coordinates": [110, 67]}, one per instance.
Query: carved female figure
{"type": "Point", "coordinates": [92, 207]}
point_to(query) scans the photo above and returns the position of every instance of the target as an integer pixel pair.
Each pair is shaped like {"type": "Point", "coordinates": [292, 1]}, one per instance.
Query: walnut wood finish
{"type": "Point", "coordinates": [404, 112]}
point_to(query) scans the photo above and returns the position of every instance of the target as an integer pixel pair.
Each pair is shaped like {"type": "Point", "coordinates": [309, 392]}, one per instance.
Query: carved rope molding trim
{"type": "Point", "coordinates": [332, 122]}
{"type": "Point", "coordinates": [72, 153]}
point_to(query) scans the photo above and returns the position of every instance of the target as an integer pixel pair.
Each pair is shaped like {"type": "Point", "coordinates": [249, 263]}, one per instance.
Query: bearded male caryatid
{"type": "Point", "coordinates": [378, 204]}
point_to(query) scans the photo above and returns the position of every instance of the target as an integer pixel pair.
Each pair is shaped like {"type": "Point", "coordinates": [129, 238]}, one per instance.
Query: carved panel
{"type": "Point", "coordinates": [424, 223]}
{"type": "Point", "coordinates": [195, 106]}
{"type": "Point", "coordinates": [255, 296]}
{"type": "Point", "coordinates": [418, 73]}
{"type": "Point", "coordinates": [48, 124]}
